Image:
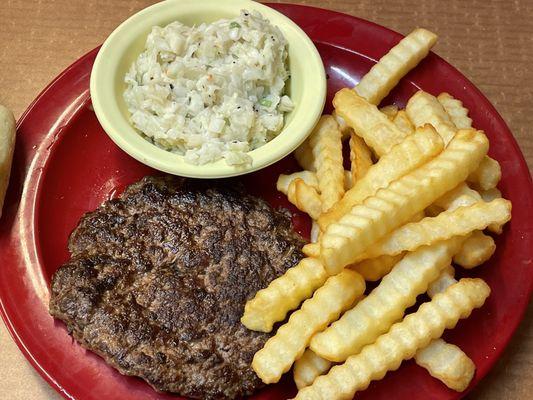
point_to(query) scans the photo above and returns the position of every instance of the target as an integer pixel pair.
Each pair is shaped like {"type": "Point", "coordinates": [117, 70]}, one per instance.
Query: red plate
{"type": "Point", "coordinates": [65, 165]}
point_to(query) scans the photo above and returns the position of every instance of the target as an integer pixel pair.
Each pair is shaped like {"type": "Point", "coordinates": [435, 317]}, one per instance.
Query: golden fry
{"type": "Point", "coordinates": [458, 222]}
{"type": "Point", "coordinates": [360, 157]}
{"type": "Point", "coordinates": [408, 155]}
{"type": "Point", "coordinates": [304, 156]}
{"type": "Point", "coordinates": [383, 76]}
{"type": "Point", "coordinates": [309, 178]}
{"type": "Point", "coordinates": [491, 194]}
{"type": "Point", "coordinates": [315, 232]}
{"type": "Point", "coordinates": [423, 108]}
{"type": "Point", "coordinates": [285, 293]}
{"type": "Point", "coordinates": [326, 145]}
{"type": "Point", "coordinates": [448, 363]}
{"type": "Point", "coordinates": [403, 123]}
{"type": "Point", "coordinates": [344, 128]}
{"type": "Point", "coordinates": [389, 208]}
{"type": "Point", "coordinates": [443, 282]}
{"type": "Point", "coordinates": [390, 111]}
{"type": "Point", "coordinates": [288, 344]}
{"type": "Point", "coordinates": [282, 185]}
{"type": "Point", "coordinates": [385, 305]}
{"type": "Point", "coordinates": [401, 343]}
{"type": "Point", "coordinates": [475, 251]}
{"type": "Point", "coordinates": [373, 269]}
{"type": "Point", "coordinates": [311, 250]}
{"type": "Point", "coordinates": [463, 196]}
{"type": "Point", "coordinates": [487, 195]}
{"type": "Point", "coordinates": [487, 176]}
{"type": "Point", "coordinates": [460, 196]}
{"type": "Point", "coordinates": [308, 367]}
{"type": "Point", "coordinates": [305, 198]}
{"type": "Point", "coordinates": [455, 109]}
{"type": "Point", "coordinates": [445, 361]}
{"type": "Point", "coordinates": [377, 130]}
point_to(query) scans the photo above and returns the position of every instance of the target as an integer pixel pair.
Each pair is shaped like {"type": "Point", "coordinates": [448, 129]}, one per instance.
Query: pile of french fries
{"type": "Point", "coordinates": [419, 197]}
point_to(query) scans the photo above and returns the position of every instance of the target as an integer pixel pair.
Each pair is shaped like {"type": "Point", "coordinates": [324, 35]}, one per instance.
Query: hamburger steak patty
{"type": "Point", "coordinates": [158, 279]}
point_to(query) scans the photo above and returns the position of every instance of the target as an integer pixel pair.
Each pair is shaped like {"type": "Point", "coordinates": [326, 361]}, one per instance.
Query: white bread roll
{"type": "Point", "coordinates": [7, 145]}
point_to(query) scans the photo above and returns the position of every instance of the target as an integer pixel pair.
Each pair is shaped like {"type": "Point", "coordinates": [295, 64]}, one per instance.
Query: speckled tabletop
{"type": "Point", "coordinates": [491, 42]}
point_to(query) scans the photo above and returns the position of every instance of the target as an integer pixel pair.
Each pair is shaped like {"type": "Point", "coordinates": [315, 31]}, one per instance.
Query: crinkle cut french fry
{"type": "Point", "coordinates": [419, 216]}
{"type": "Point", "coordinates": [288, 344]}
{"type": "Point", "coordinates": [445, 361]}
{"type": "Point", "coordinates": [315, 232]}
{"type": "Point", "coordinates": [390, 111]}
{"type": "Point", "coordinates": [383, 76]}
{"type": "Point", "coordinates": [475, 251]}
{"type": "Point", "coordinates": [282, 185]}
{"type": "Point", "coordinates": [462, 196]}
{"type": "Point", "coordinates": [304, 156]}
{"type": "Point", "coordinates": [344, 128]}
{"type": "Point", "coordinates": [309, 178]}
{"type": "Point", "coordinates": [458, 222]}
{"type": "Point", "coordinates": [305, 198]}
{"type": "Point", "coordinates": [326, 145]}
{"type": "Point", "coordinates": [374, 269]}
{"type": "Point", "coordinates": [285, 293]}
{"type": "Point", "coordinates": [360, 157]}
{"type": "Point", "coordinates": [459, 196]}
{"type": "Point", "coordinates": [408, 155]}
{"type": "Point", "coordinates": [308, 367]}
{"type": "Point", "coordinates": [386, 304]}
{"type": "Point", "coordinates": [311, 250]}
{"type": "Point", "coordinates": [491, 194]}
{"type": "Point", "coordinates": [389, 208]}
{"type": "Point", "coordinates": [377, 130]}
{"type": "Point", "coordinates": [443, 282]}
{"type": "Point", "coordinates": [424, 108]}
{"type": "Point", "coordinates": [487, 176]}
{"type": "Point", "coordinates": [403, 123]}
{"type": "Point", "coordinates": [448, 363]}
{"type": "Point", "coordinates": [455, 109]}
{"type": "Point", "coordinates": [400, 343]}
{"type": "Point", "coordinates": [483, 246]}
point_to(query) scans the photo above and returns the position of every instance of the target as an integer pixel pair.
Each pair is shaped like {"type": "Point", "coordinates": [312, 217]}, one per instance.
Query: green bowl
{"type": "Point", "coordinates": [307, 86]}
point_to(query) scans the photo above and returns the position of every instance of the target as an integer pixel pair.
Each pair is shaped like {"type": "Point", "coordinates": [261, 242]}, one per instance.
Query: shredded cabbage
{"type": "Point", "coordinates": [211, 91]}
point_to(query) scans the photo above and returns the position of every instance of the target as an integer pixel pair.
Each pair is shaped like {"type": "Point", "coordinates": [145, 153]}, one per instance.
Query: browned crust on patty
{"type": "Point", "coordinates": [158, 280]}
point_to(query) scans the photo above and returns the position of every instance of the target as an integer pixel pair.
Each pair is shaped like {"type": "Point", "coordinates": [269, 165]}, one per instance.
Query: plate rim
{"type": "Point", "coordinates": [494, 113]}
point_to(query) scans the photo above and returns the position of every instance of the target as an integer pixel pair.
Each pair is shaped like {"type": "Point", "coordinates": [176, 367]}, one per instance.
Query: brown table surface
{"type": "Point", "coordinates": [491, 42]}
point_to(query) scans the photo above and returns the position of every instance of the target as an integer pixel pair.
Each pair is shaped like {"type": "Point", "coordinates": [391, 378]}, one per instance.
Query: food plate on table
{"type": "Point", "coordinates": [65, 165]}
